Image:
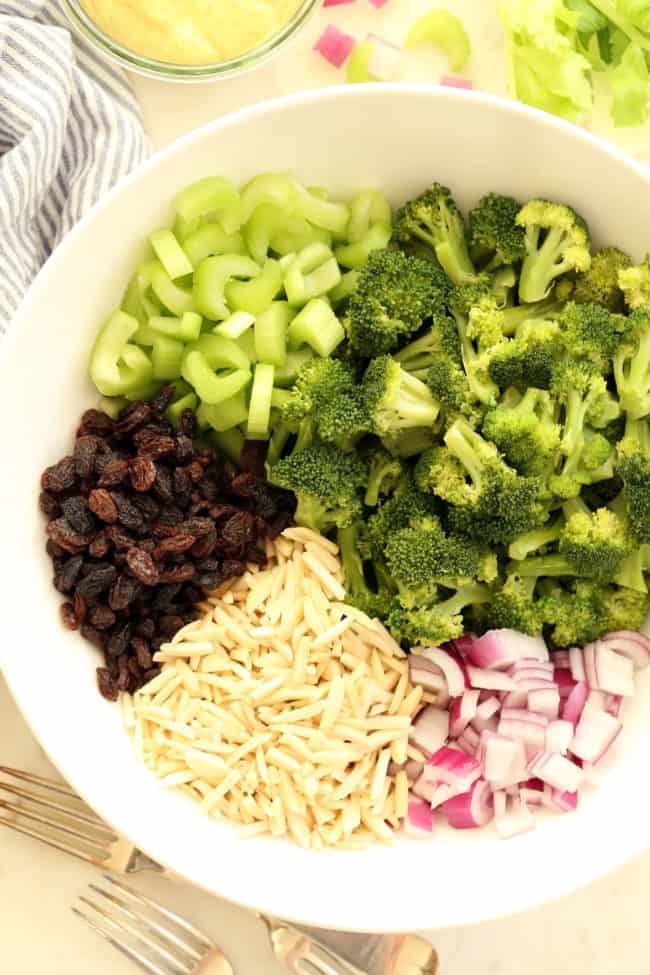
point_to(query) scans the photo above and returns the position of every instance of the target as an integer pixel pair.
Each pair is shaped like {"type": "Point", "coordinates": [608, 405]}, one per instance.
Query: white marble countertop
{"type": "Point", "coordinates": [592, 932]}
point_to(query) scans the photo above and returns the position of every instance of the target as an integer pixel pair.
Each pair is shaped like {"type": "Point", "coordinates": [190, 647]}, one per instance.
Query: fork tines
{"type": "Point", "coordinates": [131, 922]}
{"type": "Point", "coordinates": [52, 813]}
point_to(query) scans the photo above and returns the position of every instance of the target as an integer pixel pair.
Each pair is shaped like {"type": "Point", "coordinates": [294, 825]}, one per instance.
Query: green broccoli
{"type": "Point", "coordinates": [502, 286]}
{"type": "Point", "coordinates": [395, 400]}
{"type": "Point", "coordinates": [584, 610]}
{"type": "Point", "coordinates": [538, 539]}
{"type": "Point", "coordinates": [514, 316]}
{"type": "Point", "coordinates": [385, 473]}
{"type": "Point", "coordinates": [527, 359]}
{"type": "Point", "coordinates": [513, 606]}
{"type": "Point", "coordinates": [524, 430]}
{"type": "Point", "coordinates": [632, 366]}
{"type": "Point", "coordinates": [407, 507]}
{"type": "Point", "coordinates": [439, 623]}
{"type": "Point", "coordinates": [633, 467]}
{"type": "Point", "coordinates": [408, 443]}
{"type": "Point", "coordinates": [450, 387]}
{"type": "Point", "coordinates": [635, 284]}
{"type": "Point", "coordinates": [434, 219]}
{"type": "Point", "coordinates": [496, 239]}
{"type": "Point", "coordinates": [343, 420]}
{"type": "Point", "coordinates": [592, 334]}
{"type": "Point", "coordinates": [556, 241]}
{"type": "Point", "coordinates": [440, 341]}
{"type": "Point", "coordinates": [480, 327]}
{"type": "Point", "coordinates": [327, 484]}
{"type": "Point", "coordinates": [595, 542]}
{"type": "Point", "coordinates": [395, 295]}
{"type": "Point", "coordinates": [599, 284]}
{"type": "Point", "coordinates": [373, 601]}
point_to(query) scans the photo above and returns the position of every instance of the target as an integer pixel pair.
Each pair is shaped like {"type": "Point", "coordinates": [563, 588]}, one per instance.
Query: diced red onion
{"type": "Point", "coordinates": [462, 712]}
{"type": "Point", "coordinates": [564, 680]}
{"type": "Point", "coordinates": [450, 668]}
{"type": "Point", "coordinates": [614, 704]}
{"type": "Point", "coordinates": [516, 699]}
{"type": "Point", "coordinates": [566, 801]}
{"type": "Point", "coordinates": [503, 760]}
{"type": "Point", "coordinates": [463, 643]}
{"type": "Point", "coordinates": [559, 735]}
{"type": "Point", "coordinates": [577, 664]}
{"type": "Point", "coordinates": [557, 771]}
{"type": "Point", "coordinates": [488, 708]}
{"type": "Point", "coordinates": [335, 46]}
{"type": "Point", "coordinates": [490, 680]}
{"type": "Point", "coordinates": [561, 659]}
{"type": "Point", "coordinates": [525, 715]}
{"type": "Point", "coordinates": [630, 644]}
{"type": "Point", "coordinates": [515, 819]}
{"type": "Point", "coordinates": [469, 741]}
{"type": "Point", "coordinates": [532, 736]}
{"type": "Point", "coordinates": [420, 818]}
{"type": "Point", "coordinates": [532, 797]}
{"type": "Point", "coordinates": [384, 59]}
{"type": "Point", "coordinates": [545, 701]}
{"type": "Point", "coordinates": [532, 668]}
{"type": "Point", "coordinates": [453, 81]}
{"type": "Point", "coordinates": [614, 673]}
{"type": "Point", "coordinates": [498, 649]}
{"type": "Point", "coordinates": [430, 730]}
{"type": "Point", "coordinates": [449, 766]}
{"type": "Point", "coordinates": [575, 702]}
{"type": "Point", "coordinates": [470, 809]}
{"type": "Point", "coordinates": [594, 734]}
{"type": "Point", "coordinates": [429, 679]}
{"type": "Point", "coordinates": [485, 724]}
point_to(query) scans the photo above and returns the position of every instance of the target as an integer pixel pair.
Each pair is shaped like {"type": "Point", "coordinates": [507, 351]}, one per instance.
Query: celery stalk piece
{"type": "Point", "coordinates": [185, 329]}
{"type": "Point", "coordinates": [271, 333]}
{"type": "Point", "coordinates": [146, 391]}
{"type": "Point", "coordinates": [279, 398]}
{"type": "Point", "coordinates": [444, 29]}
{"type": "Point", "coordinates": [220, 352]}
{"type": "Point", "coordinates": [323, 213]}
{"type": "Point", "coordinates": [116, 365]}
{"type": "Point", "coordinates": [225, 415]}
{"type": "Point", "coordinates": [256, 295]}
{"type": "Point", "coordinates": [177, 408]}
{"type": "Point", "coordinates": [210, 240]}
{"type": "Point", "coordinates": [274, 188]}
{"type": "Point", "coordinates": [297, 233]}
{"type": "Point", "coordinates": [167, 357]}
{"type": "Point", "coordinates": [112, 405]}
{"type": "Point", "coordinates": [230, 442]}
{"type": "Point", "coordinates": [211, 277]}
{"type": "Point", "coordinates": [213, 193]}
{"type": "Point", "coordinates": [313, 272]}
{"type": "Point", "coordinates": [321, 192]}
{"type": "Point", "coordinates": [209, 386]}
{"type": "Point", "coordinates": [183, 228]}
{"type": "Point", "coordinates": [170, 254]}
{"type": "Point", "coordinates": [316, 325]}
{"type": "Point", "coordinates": [174, 298]}
{"type": "Point", "coordinates": [259, 408]}
{"type": "Point", "coordinates": [146, 335]}
{"type": "Point", "coordinates": [246, 343]}
{"type": "Point", "coordinates": [266, 220]}
{"type": "Point", "coordinates": [286, 375]}
{"type": "Point", "coordinates": [367, 208]}
{"type": "Point", "coordinates": [286, 260]}
{"type": "Point", "coordinates": [235, 326]}
{"type": "Point", "coordinates": [357, 70]}
{"type": "Point", "coordinates": [355, 255]}
{"type": "Point", "coordinates": [346, 286]}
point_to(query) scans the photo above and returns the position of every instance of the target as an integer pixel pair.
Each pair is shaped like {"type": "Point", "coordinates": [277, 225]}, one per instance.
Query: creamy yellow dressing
{"type": "Point", "coordinates": [190, 31]}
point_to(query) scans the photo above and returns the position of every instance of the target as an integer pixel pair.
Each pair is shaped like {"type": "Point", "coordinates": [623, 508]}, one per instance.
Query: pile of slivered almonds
{"type": "Point", "coordinates": [282, 709]}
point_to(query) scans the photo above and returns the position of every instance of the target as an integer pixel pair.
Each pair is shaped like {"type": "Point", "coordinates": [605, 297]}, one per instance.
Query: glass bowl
{"type": "Point", "coordinates": [167, 71]}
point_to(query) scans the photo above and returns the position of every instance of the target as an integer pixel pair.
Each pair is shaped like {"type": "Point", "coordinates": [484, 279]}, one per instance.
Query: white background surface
{"type": "Point", "coordinates": [593, 932]}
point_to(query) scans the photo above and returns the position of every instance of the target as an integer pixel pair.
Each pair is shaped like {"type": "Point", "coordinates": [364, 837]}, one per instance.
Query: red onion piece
{"type": "Point", "coordinates": [430, 729]}
{"type": "Point", "coordinates": [545, 701]}
{"type": "Point", "coordinates": [614, 673]}
{"type": "Point", "coordinates": [575, 702]}
{"type": "Point", "coordinates": [452, 671]}
{"type": "Point", "coordinates": [449, 767]}
{"type": "Point", "coordinates": [462, 712]}
{"type": "Point", "coordinates": [463, 643]}
{"type": "Point", "coordinates": [470, 809]}
{"type": "Point", "coordinates": [490, 680]}
{"type": "Point", "coordinates": [515, 819]}
{"type": "Point", "coordinates": [557, 771]}
{"type": "Point", "coordinates": [566, 801]}
{"type": "Point", "coordinates": [385, 58]}
{"type": "Point", "coordinates": [558, 737]}
{"type": "Point", "coordinates": [503, 760]}
{"type": "Point", "coordinates": [420, 818]}
{"type": "Point", "coordinates": [430, 680]}
{"type": "Point", "coordinates": [564, 680]}
{"type": "Point", "coordinates": [614, 704]}
{"type": "Point", "coordinates": [532, 797]}
{"type": "Point", "coordinates": [488, 708]}
{"type": "Point", "coordinates": [453, 81]}
{"type": "Point", "coordinates": [499, 649]}
{"type": "Point", "coordinates": [528, 733]}
{"type": "Point", "coordinates": [577, 664]}
{"type": "Point", "coordinates": [631, 644]}
{"type": "Point", "coordinates": [485, 724]}
{"type": "Point", "coordinates": [516, 699]}
{"type": "Point", "coordinates": [595, 733]}
{"type": "Point", "coordinates": [335, 46]}
{"type": "Point", "coordinates": [378, 3]}
{"type": "Point", "coordinates": [561, 659]}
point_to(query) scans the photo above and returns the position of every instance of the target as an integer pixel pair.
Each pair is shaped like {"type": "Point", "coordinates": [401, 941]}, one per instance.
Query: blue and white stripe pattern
{"type": "Point", "coordinates": [70, 128]}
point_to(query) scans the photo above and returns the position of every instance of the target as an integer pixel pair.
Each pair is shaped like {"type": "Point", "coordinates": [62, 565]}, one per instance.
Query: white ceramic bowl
{"type": "Point", "coordinates": [399, 138]}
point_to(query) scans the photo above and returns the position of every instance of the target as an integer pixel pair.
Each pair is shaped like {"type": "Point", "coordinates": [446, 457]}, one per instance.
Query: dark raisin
{"type": "Point", "coordinates": [80, 606]}
{"type": "Point", "coordinates": [114, 473]}
{"type": "Point", "coordinates": [178, 573]}
{"type": "Point", "coordinates": [64, 535]}
{"type": "Point", "coordinates": [68, 616]}
{"type": "Point", "coordinates": [119, 640]}
{"type": "Point", "coordinates": [120, 539]}
{"type": "Point", "coordinates": [198, 526]}
{"type": "Point", "coordinates": [208, 489]}
{"type": "Point", "coordinates": [133, 417]}
{"type": "Point", "coordinates": [182, 487]}
{"type": "Point", "coordinates": [163, 486]}
{"type": "Point", "coordinates": [165, 596]}
{"type": "Point", "coordinates": [168, 625]}
{"type": "Point", "coordinates": [95, 422]}
{"type": "Point", "coordinates": [157, 643]}
{"type": "Point", "coordinates": [127, 513]}
{"type": "Point", "coordinates": [147, 545]}
{"type": "Point", "coordinates": [106, 684]}
{"type": "Point", "coordinates": [205, 546]}
{"type": "Point", "coordinates": [253, 457]}
{"type": "Point", "coordinates": [158, 446]}
{"type": "Point", "coordinates": [187, 424]}
{"type": "Point", "coordinates": [193, 595]}
{"type": "Point", "coordinates": [100, 546]}
{"type": "Point", "coordinates": [123, 592]}
{"type": "Point", "coordinates": [99, 579]}
{"type": "Point", "coordinates": [160, 402]}
{"type": "Point", "coordinates": [124, 674]}
{"type": "Point", "coordinates": [53, 550]}
{"type": "Point", "coordinates": [142, 566]}
{"type": "Point", "coordinates": [102, 618]}
{"type": "Point", "coordinates": [142, 652]}
{"type": "Point", "coordinates": [184, 449]}
{"type": "Point", "coordinates": [93, 636]}
{"type": "Point", "coordinates": [231, 568]}
{"type": "Point", "coordinates": [236, 534]}
{"type": "Point", "coordinates": [76, 511]}
{"type": "Point", "coordinates": [60, 477]}
{"type": "Point", "coordinates": [142, 471]}
{"type": "Point", "coordinates": [66, 579]}
{"type": "Point", "coordinates": [177, 543]}
{"type": "Point", "coordinates": [194, 471]}
{"type": "Point", "coordinates": [146, 628]}
{"type": "Point", "coordinates": [278, 524]}
{"type": "Point", "coordinates": [49, 505]}
{"type": "Point", "coordinates": [147, 505]}
{"type": "Point", "coordinates": [85, 449]}
{"type": "Point", "coordinates": [101, 503]}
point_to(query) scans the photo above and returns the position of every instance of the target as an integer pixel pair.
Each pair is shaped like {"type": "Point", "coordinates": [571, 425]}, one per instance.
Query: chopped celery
{"type": "Point", "coordinates": [275, 188]}
{"type": "Point", "coordinates": [211, 387]}
{"type": "Point", "coordinates": [344, 288]}
{"type": "Point", "coordinates": [211, 240]}
{"type": "Point", "coordinates": [271, 333]}
{"type": "Point", "coordinates": [316, 325]}
{"type": "Point", "coordinates": [323, 213]}
{"type": "Point", "coordinates": [279, 398]}
{"type": "Point", "coordinates": [175, 409]}
{"type": "Point", "coordinates": [220, 352]}
{"type": "Point", "coordinates": [297, 234]}
{"type": "Point", "coordinates": [444, 29]}
{"type": "Point", "coordinates": [313, 272]}
{"type": "Point", "coordinates": [112, 405]}
{"type": "Point", "coordinates": [146, 335]}
{"type": "Point", "coordinates": [355, 255]}
{"type": "Point", "coordinates": [256, 295]}
{"type": "Point", "coordinates": [213, 193]}
{"type": "Point", "coordinates": [116, 365]}
{"type": "Point", "coordinates": [246, 342]}
{"type": "Point", "coordinates": [146, 391]}
{"type": "Point", "coordinates": [266, 220]}
{"type": "Point", "coordinates": [236, 325]}
{"type": "Point", "coordinates": [230, 442]}
{"type": "Point", "coordinates": [358, 67]}
{"type": "Point", "coordinates": [286, 375]}
{"type": "Point", "coordinates": [173, 297]}
{"type": "Point", "coordinates": [166, 357]}
{"type": "Point", "coordinates": [138, 299]}
{"type": "Point", "coordinates": [321, 192]}
{"type": "Point", "coordinates": [259, 408]}
{"type": "Point", "coordinates": [210, 280]}
{"type": "Point", "coordinates": [185, 329]}
{"type": "Point", "coordinates": [226, 415]}
{"type": "Point", "coordinates": [170, 254]}
{"type": "Point", "coordinates": [286, 260]}
{"type": "Point", "coordinates": [367, 208]}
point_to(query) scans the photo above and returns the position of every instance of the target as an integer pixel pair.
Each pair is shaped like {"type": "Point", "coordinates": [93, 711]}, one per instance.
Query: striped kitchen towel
{"type": "Point", "coordinates": [70, 128]}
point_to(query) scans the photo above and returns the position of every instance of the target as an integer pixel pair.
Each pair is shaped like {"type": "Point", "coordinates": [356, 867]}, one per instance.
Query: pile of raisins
{"type": "Point", "coordinates": [142, 523]}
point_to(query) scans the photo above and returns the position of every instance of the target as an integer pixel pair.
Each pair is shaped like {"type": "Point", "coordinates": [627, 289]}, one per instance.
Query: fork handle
{"type": "Point", "coordinates": [213, 963]}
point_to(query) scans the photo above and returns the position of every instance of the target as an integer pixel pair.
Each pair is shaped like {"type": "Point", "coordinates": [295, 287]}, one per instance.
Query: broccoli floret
{"type": "Point", "coordinates": [515, 316]}
{"type": "Point", "coordinates": [373, 601]}
{"type": "Point", "coordinates": [556, 241]}
{"type": "Point", "coordinates": [408, 443]}
{"type": "Point", "coordinates": [635, 284]}
{"type": "Point", "coordinates": [632, 366]}
{"type": "Point", "coordinates": [599, 284]}
{"type": "Point", "coordinates": [318, 381]}
{"type": "Point", "coordinates": [343, 420]}
{"type": "Point", "coordinates": [289, 436]}
{"type": "Point", "coordinates": [524, 430]}
{"type": "Point", "coordinates": [385, 473]}
{"type": "Point", "coordinates": [513, 606]}
{"type": "Point", "coordinates": [449, 384]}
{"type": "Point", "coordinates": [434, 219]}
{"type": "Point", "coordinates": [502, 286]}
{"type": "Point", "coordinates": [622, 609]}
{"type": "Point", "coordinates": [529, 358]}
{"type": "Point", "coordinates": [407, 507]}
{"type": "Point", "coordinates": [592, 334]}
{"type": "Point", "coordinates": [596, 543]}
{"type": "Point", "coordinates": [395, 400]}
{"type": "Point", "coordinates": [480, 327]}
{"type": "Point", "coordinates": [585, 610]}
{"type": "Point", "coordinates": [441, 340]}
{"type": "Point", "coordinates": [395, 295]}
{"type": "Point", "coordinates": [327, 484]}
{"type": "Point", "coordinates": [496, 239]}
{"type": "Point", "coordinates": [533, 541]}
{"type": "Point", "coordinates": [633, 467]}
{"type": "Point", "coordinates": [436, 624]}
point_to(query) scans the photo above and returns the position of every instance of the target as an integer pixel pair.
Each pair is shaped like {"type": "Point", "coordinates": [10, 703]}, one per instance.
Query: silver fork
{"type": "Point", "coordinates": [57, 817]}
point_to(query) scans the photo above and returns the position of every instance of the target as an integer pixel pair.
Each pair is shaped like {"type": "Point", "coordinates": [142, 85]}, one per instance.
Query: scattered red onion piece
{"type": "Point", "coordinates": [515, 819]}
{"type": "Point", "coordinates": [462, 712]}
{"type": "Point", "coordinates": [463, 643]}
{"type": "Point", "coordinates": [614, 673]}
{"type": "Point", "coordinates": [520, 725]}
{"type": "Point", "coordinates": [557, 771]}
{"type": "Point", "coordinates": [490, 680]}
{"type": "Point", "coordinates": [565, 682]}
{"type": "Point", "coordinates": [470, 809]}
{"type": "Point", "coordinates": [499, 649]}
{"type": "Point", "coordinates": [453, 81]}
{"type": "Point", "coordinates": [503, 760]}
{"type": "Point", "coordinates": [545, 700]}
{"type": "Point", "coordinates": [558, 737]}
{"type": "Point", "coordinates": [385, 58]}
{"type": "Point", "coordinates": [335, 46]}
{"type": "Point", "coordinates": [575, 702]}
{"type": "Point", "coordinates": [577, 664]}
{"type": "Point", "coordinates": [455, 675]}
{"type": "Point", "coordinates": [565, 801]}
{"type": "Point", "coordinates": [634, 646]}
{"type": "Point", "coordinates": [594, 734]}
{"type": "Point", "coordinates": [532, 797]}
{"type": "Point", "coordinates": [429, 679]}
{"type": "Point", "coordinates": [419, 821]}
{"type": "Point", "coordinates": [449, 767]}
{"type": "Point", "coordinates": [614, 704]}
{"type": "Point", "coordinates": [561, 659]}
{"type": "Point", "coordinates": [488, 708]}
{"type": "Point", "coordinates": [430, 729]}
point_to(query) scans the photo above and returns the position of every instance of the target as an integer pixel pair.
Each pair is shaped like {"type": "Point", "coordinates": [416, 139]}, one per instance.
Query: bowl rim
{"type": "Point", "coordinates": [148, 67]}
{"type": "Point", "coordinates": [610, 856]}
